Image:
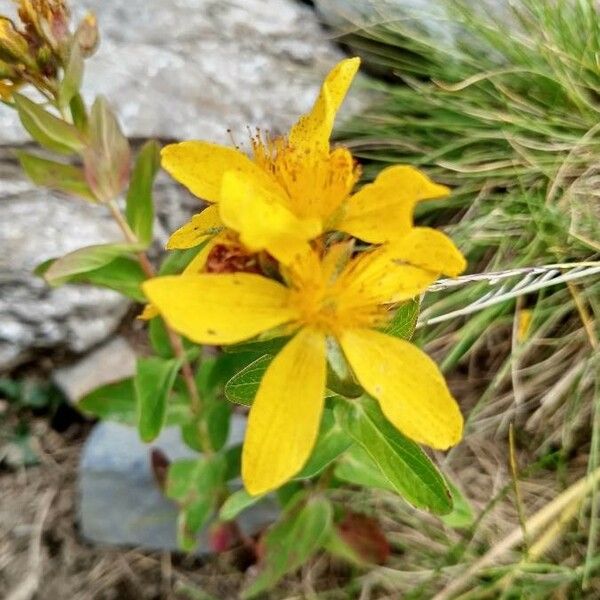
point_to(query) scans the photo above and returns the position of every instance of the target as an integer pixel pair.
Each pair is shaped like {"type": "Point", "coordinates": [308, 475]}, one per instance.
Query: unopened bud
{"type": "Point", "coordinates": [6, 90]}
{"type": "Point", "coordinates": [224, 536]}
{"type": "Point", "coordinates": [87, 35]}
{"type": "Point", "coordinates": [13, 46]}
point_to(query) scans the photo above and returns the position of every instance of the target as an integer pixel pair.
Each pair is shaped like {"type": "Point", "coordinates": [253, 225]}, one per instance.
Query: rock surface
{"type": "Point", "coordinates": [36, 225]}
{"type": "Point", "coordinates": [113, 361]}
{"type": "Point", "coordinates": [193, 68]}
{"type": "Point", "coordinates": [180, 69]}
{"type": "Point", "coordinates": [120, 502]}
{"type": "Point", "coordinates": [429, 17]}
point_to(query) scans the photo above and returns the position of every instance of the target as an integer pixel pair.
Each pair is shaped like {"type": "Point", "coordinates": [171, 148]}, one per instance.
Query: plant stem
{"type": "Point", "coordinates": [174, 338]}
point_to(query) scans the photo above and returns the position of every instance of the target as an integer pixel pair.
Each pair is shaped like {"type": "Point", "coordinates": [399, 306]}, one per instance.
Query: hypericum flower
{"type": "Point", "coordinates": [294, 188]}
{"type": "Point", "coordinates": [322, 300]}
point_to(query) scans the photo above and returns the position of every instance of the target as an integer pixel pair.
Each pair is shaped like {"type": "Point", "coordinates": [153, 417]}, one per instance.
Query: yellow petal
{"type": "Point", "coordinates": [149, 312]}
{"type": "Point", "coordinates": [314, 129]}
{"type": "Point", "coordinates": [200, 166]}
{"type": "Point", "coordinates": [408, 384]}
{"type": "Point", "coordinates": [429, 249]}
{"type": "Point", "coordinates": [377, 278]}
{"type": "Point", "coordinates": [258, 214]}
{"type": "Point", "coordinates": [198, 229]}
{"type": "Point", "coordinates": [383, 210]}
{"type": "Point", "coordinates": [284, 419]}
{"type": "Point", "coordinates": [219, 308]}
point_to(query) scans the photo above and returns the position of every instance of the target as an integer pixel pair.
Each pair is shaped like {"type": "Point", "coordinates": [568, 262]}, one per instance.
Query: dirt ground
{"type": "Point", "coordinates": [43, 556]}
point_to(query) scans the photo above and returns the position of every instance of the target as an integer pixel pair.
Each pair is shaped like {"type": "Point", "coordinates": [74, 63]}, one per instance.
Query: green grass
{"type": "Point", "coordinates": [512, 124]}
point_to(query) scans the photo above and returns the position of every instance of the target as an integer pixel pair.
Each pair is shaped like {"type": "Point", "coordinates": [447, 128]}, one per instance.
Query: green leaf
{"type": "Point", "coordinates": [358, 468]}
{"type": "Point", "coordinates": [404, 321]}
{"type": "Point", "coordinates": [332, 442]}
{"type": "Point", "coordinates": [236, 503]}
{"type": "Point", "coordinates": [85, 260]}
{"type": "Point", "coordinates": [55, 175]}
{"type": "Point", "coordinates": [270, 346]}
{"type": "Point", "coordinates": [123, 274]}
{"type": "Point", "coordinates": [153, 383]}
{"type": "Point", "coordinates": [191, 478]}
{"type": "Point", "coordinates": [191, 519]}
{"type": "Point", "coordinates": [46, 129]}
{"type": "Point", "coordinates": [112, 402]}
{"type": "Point", "coordinates": [177, 260]}
{"type": "Point", "coordinates": [73, 77]}
{"type": "Point", "coordinates": [117, 402]}
{"type": "Point", "coordinates": [195, 485]}
{"type": "Point", "coordinates": [462, 515]}
{"type": "Point", "coordinates": [292, 541]}
{"type": "Point", "coordinates": [218, 414]}
{"type": "Point", "coordinates": [233, 462]}
{"type": "Point", "coordinates": [79, 113]}
{"type": "Point", "coordinates": [402, 462]}
{"type": "Point", "coordinates": [107, 155]}
{"type": "Point", "coordinates": [159, 338]}
{"type": "Point", "coordinates": [140, 209]}
{"type": "Point", "coordinates": [242, 388]}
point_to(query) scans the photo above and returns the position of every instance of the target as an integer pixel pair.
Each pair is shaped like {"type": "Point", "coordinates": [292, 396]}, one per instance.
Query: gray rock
{"type": "Point", "coordinates": [180, 69]}
{"type": "Point", "coordinates": [113, 361]}
{"type": "Point", "coordinates": [36, 225]}
{"type": "Point", "coordinates": [193, 68]}
{"type": "Point", "coordinates": [120, 503]}
{"type": "Point", "coordinates": [431, 18]}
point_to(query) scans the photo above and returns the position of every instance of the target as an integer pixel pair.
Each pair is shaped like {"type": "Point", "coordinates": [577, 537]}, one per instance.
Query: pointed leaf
{"type": "Point", "coordinates": [55, 175]}
{"type": "Point", "coordinates": [242, 388]}
{"type": "Point", "coordinates": [85, 260]}
{"type": "Point", "coordinates": [140, 209]}
{"type": "Point", "coordinates": [236, 503]}
{"type": "Point", "coordinates": [107, 156]}
{"type": "Point", "coordinates": [404, 321]}
{"type": "Point", "coordinates": [73, 77]}
{"type": "Point", "coordinates": [153, 383]}
{"type": "Point", "coordinates": [123, 274]}
{"type": "Point", "coordinates": [46, 129]}
{"type": "Point", "coordinates": [462, 515]}
{"type": "Point", "coordinates": [358, 468]}
{"type": "Point", "coordinates": [195, 485]}
{"type": "Point", "coordinates": [331, 443]}
{"type": "Point", "coordinates": [112, 402]}
{"type": "Point", "coordinates": [402, 462]}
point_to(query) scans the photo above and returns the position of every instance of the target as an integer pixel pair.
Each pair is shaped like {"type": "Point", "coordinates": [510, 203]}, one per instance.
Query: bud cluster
{"type": "Point", "coordinates": [39, 45]}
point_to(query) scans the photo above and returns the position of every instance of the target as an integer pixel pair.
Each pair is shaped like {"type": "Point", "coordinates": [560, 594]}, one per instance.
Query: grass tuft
{"type": "Point", "coordinates": [507, 112]}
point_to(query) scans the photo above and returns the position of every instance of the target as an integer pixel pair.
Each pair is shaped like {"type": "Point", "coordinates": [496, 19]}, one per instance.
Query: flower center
{"type": "Point", "coordinates": [316, 182]}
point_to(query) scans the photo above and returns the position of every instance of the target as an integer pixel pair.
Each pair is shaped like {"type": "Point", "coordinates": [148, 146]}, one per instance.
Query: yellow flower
{"type": "Point", "coordinates": [295, 188]}
{"type": "Point", "coordinates": [322, 300]}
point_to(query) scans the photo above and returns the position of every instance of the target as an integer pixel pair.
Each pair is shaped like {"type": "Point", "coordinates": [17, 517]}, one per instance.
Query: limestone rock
{"type": "Point", "coordinates": [429, 18]}
{"type": "Point", "coordinates": [36, 225]}
{"type": "Point", "coordinates": [193, 68]}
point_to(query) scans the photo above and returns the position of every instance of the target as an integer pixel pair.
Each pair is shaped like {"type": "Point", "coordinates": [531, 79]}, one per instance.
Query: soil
{"type": "Point", "coordinates": [42, 554]}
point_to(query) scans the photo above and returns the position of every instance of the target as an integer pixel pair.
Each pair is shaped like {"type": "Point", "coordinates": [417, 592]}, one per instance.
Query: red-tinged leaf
{"type": "Point", "coordinates": [364, 535]}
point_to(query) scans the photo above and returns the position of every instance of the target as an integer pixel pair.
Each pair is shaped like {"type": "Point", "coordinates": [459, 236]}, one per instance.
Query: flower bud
{"type": "Point", "coordinates": [46, 21]}
{"type": "Point", "coordinates": [13, 46]}
{"type": "Point", "coordinates": [6, 90]}
{"type": "Point", "coordinates": [87, 35]}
